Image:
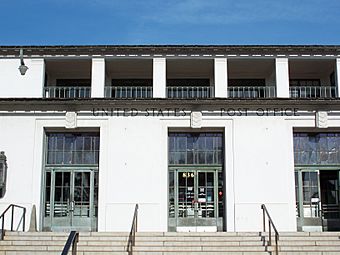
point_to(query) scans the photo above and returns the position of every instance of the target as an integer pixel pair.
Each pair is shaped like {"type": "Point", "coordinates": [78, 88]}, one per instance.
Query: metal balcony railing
{"type": "Point", "coordinates": [313, 91]}
{"type": "Point", "coordinates": [252, 92]}
{"type": "Point", "coordinates": [67, 92]}
{"type": "Point", "coordinates": [128, 92]}
{"type": "Point", "coordinates": [190, 92]}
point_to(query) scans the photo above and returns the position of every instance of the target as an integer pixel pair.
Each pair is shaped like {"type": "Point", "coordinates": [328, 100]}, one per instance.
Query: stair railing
{"type": "Point", "coordinates": [72, 240]}
{"type": "Point", "coordinates": [270, 225]}
{"type": "Point", "coordinates": [3, 215]}
{"type": "Point", "coordinates": [132, 235]}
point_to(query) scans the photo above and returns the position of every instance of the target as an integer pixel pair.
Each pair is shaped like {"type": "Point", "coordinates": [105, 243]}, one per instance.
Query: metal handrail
{"type": "Point", "coordinates": [72, 240]}
{"type": "Point", "coordinates": [2, 217]}
{"type": "Point", "coordinates": [313, 91]}
{"type": "Point", "coordinates": [187, 92]}
{"type": "Point", "coordinates": [251, 91]}
{"type": "Point", "coordinates": [270, 225]}
{"type": "Point", "coordinates": [126, 92]}
{"type": "Point", "coordinates": [67, 92]}
{"type": "Point", "coordinates": [132, 235]}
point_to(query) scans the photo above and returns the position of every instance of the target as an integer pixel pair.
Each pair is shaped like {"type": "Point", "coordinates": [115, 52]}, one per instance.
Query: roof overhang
{"type": "Point", "coordinates": [173, 50]}
{"type": "Point", "coordinates": [29, 104]}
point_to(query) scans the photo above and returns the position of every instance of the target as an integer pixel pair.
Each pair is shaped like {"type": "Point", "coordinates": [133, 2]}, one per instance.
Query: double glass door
{"type": "Point", "coordinates": [318, 204]}
{"type": "Point", "coordinates": [197, 200]}
{"type": "Point", "coordinates": [71, 197]}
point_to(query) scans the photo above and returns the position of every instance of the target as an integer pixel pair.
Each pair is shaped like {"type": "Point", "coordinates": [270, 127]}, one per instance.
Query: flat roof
{"type": "Point", "coordinates": [225, 50]}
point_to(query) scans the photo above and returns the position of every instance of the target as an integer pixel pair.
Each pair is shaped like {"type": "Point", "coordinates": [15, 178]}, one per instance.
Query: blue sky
{"type": "Point", "coordinates": [82, 22]}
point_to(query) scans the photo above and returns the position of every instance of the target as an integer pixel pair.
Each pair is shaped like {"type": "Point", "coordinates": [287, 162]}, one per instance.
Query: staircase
{"type": "Point", "coordinates": [169, 243]}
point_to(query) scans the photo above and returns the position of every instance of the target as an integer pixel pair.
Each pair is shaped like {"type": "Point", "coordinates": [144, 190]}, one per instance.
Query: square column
{"type": "Point", "coordinates": [159, 78]}
{"type": "Point", "coordinates": [221, 77]}
{"type": "Point", "coordinates": [98, 77]}
{"type": "Point", "coordinates": [282, 77]}
{"type": "Point", "coordinates": [38, 65]}
{"type": "Point", "coordinates": [337, 76]}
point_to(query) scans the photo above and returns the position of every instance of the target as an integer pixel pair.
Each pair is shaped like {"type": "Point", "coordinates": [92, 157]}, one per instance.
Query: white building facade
{"type": "Point", "coordinates": [198, 136]}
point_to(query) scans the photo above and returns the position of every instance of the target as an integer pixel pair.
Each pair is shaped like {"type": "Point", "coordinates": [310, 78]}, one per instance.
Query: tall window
{"type": "Point", "coordinates": [310, 186]}
{"type": "Point", "coordinates": [72, 149]}
{"type": "Point", "coordinates": [195, 149]}
{"type": "Point", "coordinates": [317, 149]}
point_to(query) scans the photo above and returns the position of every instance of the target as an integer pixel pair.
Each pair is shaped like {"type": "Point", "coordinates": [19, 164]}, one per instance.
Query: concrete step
{"type": "Point", "coordinates": [200, 249]}
{"type": "Point", "coordinates": [233, 253]}
{"type": "Point", "coordinates": [108, 243]}
{"type": "Point", "coordinates": [15, 233]}
{"type": "Point", "coordinates": [60, 248]}
{"type": "Point", "coordinates": [200, 253]}
{"type": "Point", "coordinates": [179, 234]}
{"type": "Point", "coordinates": [310, 243]}
{"type": "Point", "coordinates": [309, 253]}
{"type": "Point", "coordinates": [58, 253]}
{"type": "Point", "coordinates": [168, 253]}
{"type": "Point", "coordinates": [310, 238]}
{"type": "Point", "coordinates": [163, 243]}
{"type": "Point", "coordinates": [137, 248]}
{"type": "Point", "coordinates": [138, 238]}
{"type": "Point", "coordinates": [309, 248]}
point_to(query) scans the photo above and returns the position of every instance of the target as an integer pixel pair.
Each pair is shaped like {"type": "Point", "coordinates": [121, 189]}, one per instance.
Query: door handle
{"type": "Point", "coordinates": [71, 206]}
{"type": "Point", "coordinates": [196, 206]}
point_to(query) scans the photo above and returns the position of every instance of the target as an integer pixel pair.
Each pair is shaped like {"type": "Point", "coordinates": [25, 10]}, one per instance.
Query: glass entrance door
{"type": "Point", "coordinates": [318, 203]}
{"type": "Point", "coordinates": [196, 200]}
{"type": "Point", "coordinates": [308, 200]}
{"type": "Point", "coordinates": [71, 200]}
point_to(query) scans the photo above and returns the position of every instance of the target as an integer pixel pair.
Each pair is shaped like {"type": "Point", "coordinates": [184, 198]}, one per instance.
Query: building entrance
{"type": "Point", "coordinates": [196, 190]}
{"type": "Point", "coordinates": [318, 199]}
{"type": "Point", "coordinates": [196, 200]}
{"type": "Point", "coordinates": [70, 190]}
{"type": "Point", "coordinates": [317, 166]}
{"type": "Point", "coordinates": [71, 199]}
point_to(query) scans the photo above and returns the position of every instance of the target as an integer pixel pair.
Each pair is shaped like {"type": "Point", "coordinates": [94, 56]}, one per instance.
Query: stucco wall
{"type": "Point", "coordinates": [13, 84]}
{"type": "Point", "coordinates": [259, 167]}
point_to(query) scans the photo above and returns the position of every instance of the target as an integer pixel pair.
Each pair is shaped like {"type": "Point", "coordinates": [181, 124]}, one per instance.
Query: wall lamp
{"type": "Point", "coordinates": [22, 68]}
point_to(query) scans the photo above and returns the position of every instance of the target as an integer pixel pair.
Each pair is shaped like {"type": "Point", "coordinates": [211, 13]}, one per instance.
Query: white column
{"type": "Point", "coordinates": [282, 77]}
{"type": "Point", "coordinates": [337, 76]}
{"type": "Point", "coordinates": [159, 77]}
{"type": "Point", "coordinates": [221, 77]}
{"type": "Point", "coordinates": [39, 79]}
{"type": "Point", "coordinates": [98, 77]}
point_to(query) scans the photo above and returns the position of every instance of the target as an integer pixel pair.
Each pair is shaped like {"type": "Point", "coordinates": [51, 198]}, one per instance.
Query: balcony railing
{"type": "Point", "coordinates": [67, 92]}
{"type": "Point", "coordinates": [190, 92]}
{"type": "Point", "coordinates": [128, 92]}
{"type": "Point", "coordinates": [252, 92]}
{"type": "Point", "coordinates": [313, 92]}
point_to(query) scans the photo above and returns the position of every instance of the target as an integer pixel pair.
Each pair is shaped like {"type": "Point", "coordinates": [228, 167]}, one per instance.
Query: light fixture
{"type": "Point", "coordinates": [22, 68]}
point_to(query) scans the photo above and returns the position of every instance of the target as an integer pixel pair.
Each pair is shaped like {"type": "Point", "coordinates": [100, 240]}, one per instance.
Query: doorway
{"type": "Point", "coordinates": [196, 200]}
{"type": "Point", "coordinates": [196, 181]}
{"type": "Point", "coordinates": [318, 199]}
{"type": "Point", "coordinates": [71, 199]}
{"type": "Point", "coordinates": [329, 186]}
